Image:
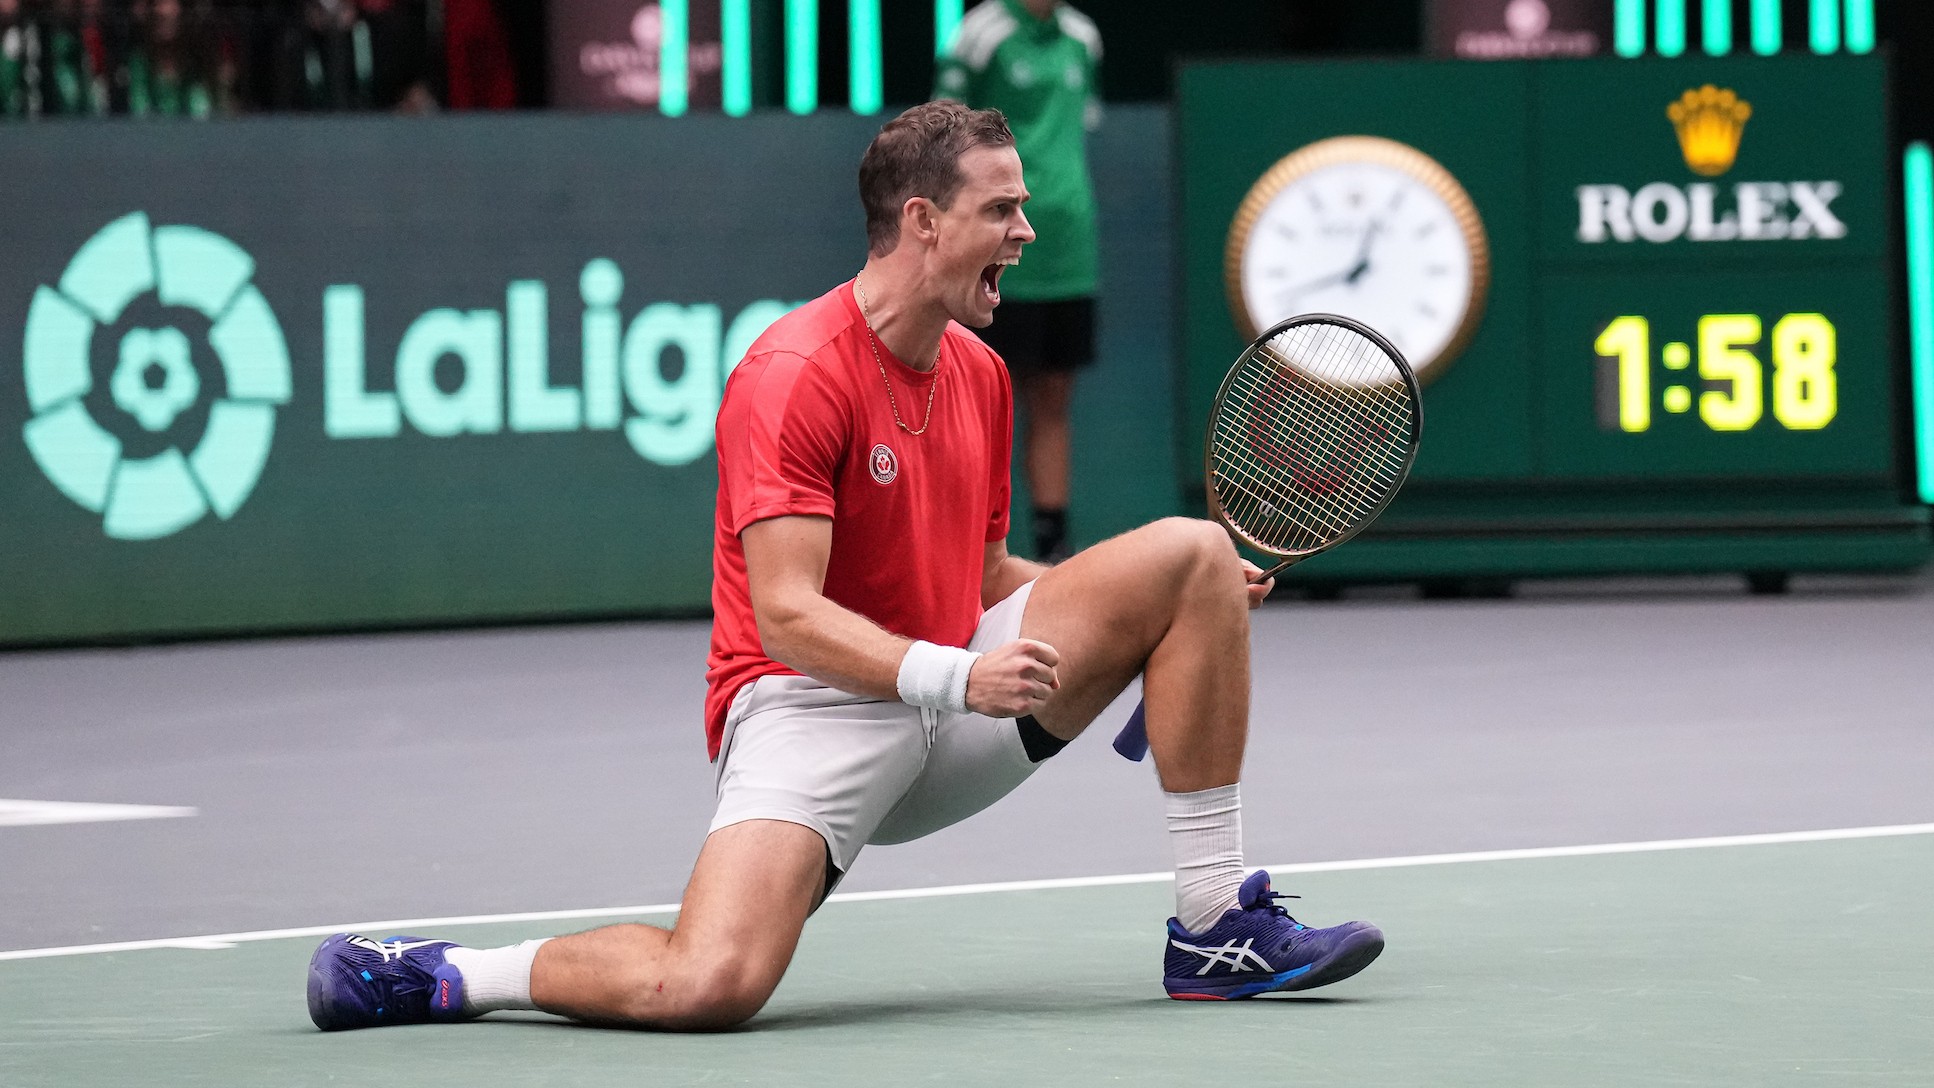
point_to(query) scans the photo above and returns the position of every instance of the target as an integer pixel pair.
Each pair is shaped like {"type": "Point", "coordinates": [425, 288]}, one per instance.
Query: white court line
{"type": "Point", "coordinates": [229, 940]}
{"type": "Point", "coordinates": [32, 813]}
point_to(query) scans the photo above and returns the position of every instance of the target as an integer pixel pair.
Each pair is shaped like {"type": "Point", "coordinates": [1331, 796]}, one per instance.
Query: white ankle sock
{"type": "Point", "coordinates": [495, 979]}
{"type": "Point", "coordinates": [1205, 828]}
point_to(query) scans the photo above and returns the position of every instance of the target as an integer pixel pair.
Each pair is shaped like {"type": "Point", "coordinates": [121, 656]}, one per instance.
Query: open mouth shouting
{"type": "Point", "coordinates": [990, 279]}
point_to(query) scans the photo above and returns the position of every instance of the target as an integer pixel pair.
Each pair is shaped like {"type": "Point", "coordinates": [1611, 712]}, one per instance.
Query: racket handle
{"type": "Point", "coordinates": [1132, 741]}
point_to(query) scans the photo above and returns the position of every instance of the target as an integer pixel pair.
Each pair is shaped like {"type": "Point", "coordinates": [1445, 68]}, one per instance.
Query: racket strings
{"type": "Point", "coordinates": [1348, 362]}
{"type": "Point", "coordinates": [1335, 459]}
{"type": "Point", "coordinates": [1323, 457]}
{"type": "Point", "coordinates": [1382, 397]}
{"type": "Point", "coordinates": [1358, 443]}
{"type": "Point", "coordinates": [1339, 451]}
{"type": "Point", "coordinates": [1311, 436]}
{"type": "Point", "coordinates": [1328, 503]}
{"type": "Point", "coordinates": [1263, 475]}
{"type": "Point", "coordinates": [1312, 446]}
{"type": "Point", "coordinates": [1281, 507]}
{"type": "Point", "coordinates": [1260, 476]}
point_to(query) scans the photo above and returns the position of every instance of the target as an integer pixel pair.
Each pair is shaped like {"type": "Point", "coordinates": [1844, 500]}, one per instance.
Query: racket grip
{"type": "Point", "coordinates": [1132, 741]}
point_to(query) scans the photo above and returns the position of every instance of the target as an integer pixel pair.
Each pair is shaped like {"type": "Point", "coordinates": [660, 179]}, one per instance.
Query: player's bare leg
{"type": "Point", "coordinates": [1169, 601]}
{"type": "Point", "coordinates": [750, 893]}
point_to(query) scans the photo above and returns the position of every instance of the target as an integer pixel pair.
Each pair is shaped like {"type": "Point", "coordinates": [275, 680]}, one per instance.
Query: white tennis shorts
{"type": "Point", "coordinates": [860, 770]}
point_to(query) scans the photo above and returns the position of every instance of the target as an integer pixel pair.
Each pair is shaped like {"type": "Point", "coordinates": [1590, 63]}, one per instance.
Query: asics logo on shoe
{"type": "Point", "coordinates": [389, 950]}
{"type": "Point", "coordinates": [443, 996]}
{"type": "Point", "coordinates": [1236, 957]}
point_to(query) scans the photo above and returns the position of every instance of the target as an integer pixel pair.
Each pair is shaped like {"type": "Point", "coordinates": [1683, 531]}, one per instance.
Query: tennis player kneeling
{"type": "Point", "coordinates": [881, 668]}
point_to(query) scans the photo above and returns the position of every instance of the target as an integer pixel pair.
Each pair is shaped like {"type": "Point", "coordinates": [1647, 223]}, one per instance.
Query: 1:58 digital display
{"type": "Point", "coordinates": [1720, 376]}
{"type": "Point", "coordinates": [1708, 373]}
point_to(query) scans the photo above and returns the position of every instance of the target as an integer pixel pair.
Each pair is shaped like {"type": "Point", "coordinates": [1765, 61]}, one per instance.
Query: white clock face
{"type": "Point", "coordinates": [1367, 241]}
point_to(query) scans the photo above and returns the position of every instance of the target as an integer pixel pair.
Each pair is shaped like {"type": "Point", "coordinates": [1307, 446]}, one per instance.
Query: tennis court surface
{"type": "Point", "coordinates": [491, 772]}
{"type": "Point", "coordinates": [1726, 965]}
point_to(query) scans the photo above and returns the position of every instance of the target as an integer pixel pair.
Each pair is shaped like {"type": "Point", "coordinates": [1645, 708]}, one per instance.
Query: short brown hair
{"type": "Point", "coordinates": [918, 154]}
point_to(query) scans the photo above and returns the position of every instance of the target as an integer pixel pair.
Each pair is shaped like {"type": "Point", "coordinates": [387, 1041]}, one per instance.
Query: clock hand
{"type": "Point", "coordinates": [1345, 276]}
{"type": "Point", "coordinates": [1349, 275]}
{"type": "Point", "coordinates": [1363, 252]}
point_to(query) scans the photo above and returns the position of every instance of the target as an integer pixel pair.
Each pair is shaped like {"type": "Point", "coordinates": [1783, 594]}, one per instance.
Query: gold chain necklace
{"type": "Point", "coordinates": [872, 341]}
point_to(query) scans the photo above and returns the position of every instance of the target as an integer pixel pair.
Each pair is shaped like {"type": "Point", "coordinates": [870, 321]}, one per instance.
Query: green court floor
{"type": "Point", "coordinates": [1796, 964]}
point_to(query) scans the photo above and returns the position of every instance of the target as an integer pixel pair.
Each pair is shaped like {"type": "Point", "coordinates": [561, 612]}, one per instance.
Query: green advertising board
{"type": "Point", "coordinates": [311, 374]}
{"type": "Point", "coordinates": [1652, 301]}
{"type": "Point", "coordinates": [359, 372]}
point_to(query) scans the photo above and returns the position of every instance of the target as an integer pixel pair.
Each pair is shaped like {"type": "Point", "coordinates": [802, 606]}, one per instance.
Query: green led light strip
{"type": "Point", "coordinates": [675, 26]}
{"type": "Point", "coordinates": [1716, 28]}
{"type": "Point", "coordinates": [863, 70]}
{"type": "Point", "coordinates": [1766, 27]}
{"type": "Point", "coordinates": [735, 56]}
{"type": "Point", "coordinates": [1917, 168]}
{"type": "Point", "coordinates": [1823, 26]}
{"type": "Point", "coordinates": [802, 55]}
{"type": "Point", "coordinates": [946, 20]}
{"type": "Point", "coordinates": [1860, 26]}
{"type": "Point", "coordinates": [1628, 27]}
{"type": "Point", "coordinates": [1669, 27]}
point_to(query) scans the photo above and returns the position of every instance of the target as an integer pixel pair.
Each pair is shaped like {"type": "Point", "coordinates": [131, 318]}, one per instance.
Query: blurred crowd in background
{"type": "Point", "coordinates": [208, 58]}
{"type": "Point", "coordinates": [216, 58]}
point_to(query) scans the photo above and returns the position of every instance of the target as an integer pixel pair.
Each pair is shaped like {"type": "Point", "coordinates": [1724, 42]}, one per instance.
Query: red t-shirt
{"type": "Point", "coordinates": [806, 427]}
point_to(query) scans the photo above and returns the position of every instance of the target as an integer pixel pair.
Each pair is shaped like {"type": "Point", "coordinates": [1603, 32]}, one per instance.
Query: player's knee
{"type": "Point", "coordinates": [1183, 536]}
{"type": "Point", "coordinates": [1199, 547]}
{"type": "Point", "coordinates": [708, 995]}
{"type": "Point", "coordinates": [725, 993]}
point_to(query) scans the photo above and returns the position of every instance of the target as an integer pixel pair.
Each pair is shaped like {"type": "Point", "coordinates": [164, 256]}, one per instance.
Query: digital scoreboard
{"type": "Point", "coordinates": [1655, 314]}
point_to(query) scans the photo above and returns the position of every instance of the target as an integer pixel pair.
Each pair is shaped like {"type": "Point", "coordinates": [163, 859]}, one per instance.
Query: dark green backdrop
{"type": "Point", "coordinates": [447, 213]}
{"type": "Point", "coordinates": [1517, 477]}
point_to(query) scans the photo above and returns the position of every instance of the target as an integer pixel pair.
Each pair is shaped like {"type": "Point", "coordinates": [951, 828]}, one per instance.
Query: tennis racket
{"type": "Point", "coordinates": [1312, 433]}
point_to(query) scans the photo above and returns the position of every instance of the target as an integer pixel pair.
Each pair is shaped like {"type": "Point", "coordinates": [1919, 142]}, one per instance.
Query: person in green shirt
{"type": "Point", "coordinates": [1036, 62]}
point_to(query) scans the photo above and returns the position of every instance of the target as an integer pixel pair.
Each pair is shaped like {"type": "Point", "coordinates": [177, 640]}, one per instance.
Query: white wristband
{"type": "Point", "coordinates": [936, 676]}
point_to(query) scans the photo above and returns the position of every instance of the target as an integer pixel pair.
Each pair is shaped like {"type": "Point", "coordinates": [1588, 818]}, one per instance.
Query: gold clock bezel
{"type": "Point", "coordinates": [1336, 150]}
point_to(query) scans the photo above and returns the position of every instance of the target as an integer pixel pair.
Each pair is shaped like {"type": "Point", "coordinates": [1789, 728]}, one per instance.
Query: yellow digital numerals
{"type": "Point", "coordinates": [1806, 395]}
{"type": "Point", "coordinates": [1731, 381]}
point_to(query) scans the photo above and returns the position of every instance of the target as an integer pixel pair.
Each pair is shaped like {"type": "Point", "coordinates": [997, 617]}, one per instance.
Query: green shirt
{"type": "Point", "coordinates": [1041, 74]}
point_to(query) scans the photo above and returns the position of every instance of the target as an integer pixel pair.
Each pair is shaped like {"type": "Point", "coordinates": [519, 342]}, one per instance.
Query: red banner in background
{"type": "Point", "coordinates": [605, 54]}
{"type": "Point", "coordinates": [1517, 29]}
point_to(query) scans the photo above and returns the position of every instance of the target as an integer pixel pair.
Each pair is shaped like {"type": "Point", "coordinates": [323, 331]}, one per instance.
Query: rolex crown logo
{"type": "Point", "coordinates": [1709, 121]}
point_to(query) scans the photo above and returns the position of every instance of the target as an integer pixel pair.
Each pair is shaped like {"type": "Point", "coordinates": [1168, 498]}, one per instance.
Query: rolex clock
{"type": "Point", "coordinates": [1368, 228]}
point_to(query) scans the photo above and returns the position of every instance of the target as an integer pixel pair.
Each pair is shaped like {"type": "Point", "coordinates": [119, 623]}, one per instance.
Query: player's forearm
{"type": "Point", "coordinates": [1010, 574]}
{"type": "Point", "coordinates": [833, 645]}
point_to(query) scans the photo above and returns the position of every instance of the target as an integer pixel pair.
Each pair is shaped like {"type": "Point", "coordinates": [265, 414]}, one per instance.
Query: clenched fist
{"type": "Point", "coordinates": [1013, 679]}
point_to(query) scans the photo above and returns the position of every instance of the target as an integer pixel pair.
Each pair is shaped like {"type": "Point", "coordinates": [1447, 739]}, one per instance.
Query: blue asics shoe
{"type": "Point", "coordinates": [1257, 948]}
{"type": "Point", "coordinates": [356, 982]}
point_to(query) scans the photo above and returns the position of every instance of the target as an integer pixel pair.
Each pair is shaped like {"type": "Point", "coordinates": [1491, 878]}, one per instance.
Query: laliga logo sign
{"type": "Point", "coordinates": [1709, 122]}
{"type": "Point", "coordinates": [504, 362]}
{"type": "Point", "coordinates": [81, 436]}
{"type": "Point", "coordinates": [155, 380]}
